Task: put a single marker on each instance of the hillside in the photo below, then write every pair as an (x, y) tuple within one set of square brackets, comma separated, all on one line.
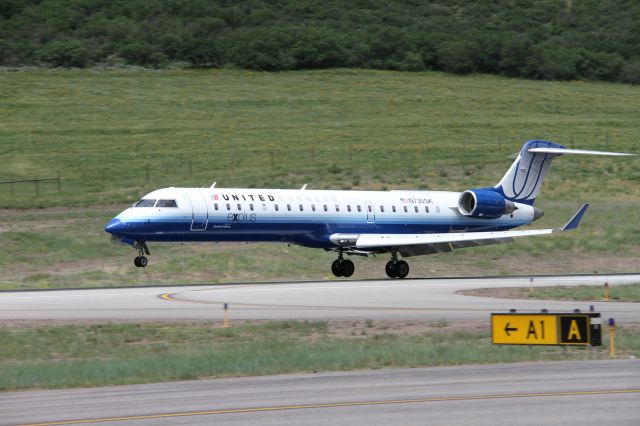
[(539, 39)]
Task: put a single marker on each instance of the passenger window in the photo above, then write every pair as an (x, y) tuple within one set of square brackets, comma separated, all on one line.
[(381, 209), (337, 208), (426, 209), (145, 203), (348, 208), (264, 207), (393, 209), (228, 206), (239, 206), (359, 209), (277, 208), (288, 207), (215, 206), (405, 209), (251, 206), (325, 207), (166, 203), (313, 207), (301, 208), (370, 208), (416, 208)]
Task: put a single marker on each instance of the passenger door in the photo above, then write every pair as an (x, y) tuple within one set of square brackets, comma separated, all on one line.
[(200, 212)]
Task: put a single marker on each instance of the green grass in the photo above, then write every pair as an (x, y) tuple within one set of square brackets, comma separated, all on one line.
[(617, 293), (102, 131), (101, 354), (114, 135)]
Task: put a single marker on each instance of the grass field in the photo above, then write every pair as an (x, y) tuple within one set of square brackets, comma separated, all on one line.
[(617, 293), (100, 354), (114, 135)]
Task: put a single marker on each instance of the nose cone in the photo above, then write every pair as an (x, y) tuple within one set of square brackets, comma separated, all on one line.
[(114, 226)]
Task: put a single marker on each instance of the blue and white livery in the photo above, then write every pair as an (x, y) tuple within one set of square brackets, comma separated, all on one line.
[(403, 222)]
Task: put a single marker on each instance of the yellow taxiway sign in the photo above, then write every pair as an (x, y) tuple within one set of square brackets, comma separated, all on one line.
[(521, 329), (544, 329)]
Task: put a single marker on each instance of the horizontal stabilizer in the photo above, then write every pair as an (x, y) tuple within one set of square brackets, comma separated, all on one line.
[(561, 151)]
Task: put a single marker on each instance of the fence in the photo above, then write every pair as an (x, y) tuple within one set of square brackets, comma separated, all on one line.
[(36, 183)]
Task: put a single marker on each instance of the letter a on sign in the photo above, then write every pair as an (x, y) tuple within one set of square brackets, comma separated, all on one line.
[(574, 331)]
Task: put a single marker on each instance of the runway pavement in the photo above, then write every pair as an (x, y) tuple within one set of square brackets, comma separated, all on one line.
[(428, 299), (555, 393)]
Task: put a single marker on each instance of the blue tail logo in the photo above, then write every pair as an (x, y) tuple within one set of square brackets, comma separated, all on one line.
[(523, 180)]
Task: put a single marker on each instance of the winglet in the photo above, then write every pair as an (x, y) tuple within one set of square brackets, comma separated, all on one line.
[(575, 220)]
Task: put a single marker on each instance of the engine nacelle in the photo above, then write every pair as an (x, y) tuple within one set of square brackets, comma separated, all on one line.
[(484, 203)]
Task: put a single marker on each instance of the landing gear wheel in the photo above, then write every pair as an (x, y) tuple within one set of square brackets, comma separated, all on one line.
[(347, 268), (140, 261), (336, 268), (402, 269), (391, 268)]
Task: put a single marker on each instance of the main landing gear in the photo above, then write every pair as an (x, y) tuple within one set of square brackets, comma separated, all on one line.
[(342, 267), (396, 268), (141, 261)]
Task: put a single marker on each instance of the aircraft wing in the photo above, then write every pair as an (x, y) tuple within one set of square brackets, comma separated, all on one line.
[(419, 244)]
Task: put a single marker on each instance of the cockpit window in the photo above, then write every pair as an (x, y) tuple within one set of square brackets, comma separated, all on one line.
[(145, 203), (166, 203)]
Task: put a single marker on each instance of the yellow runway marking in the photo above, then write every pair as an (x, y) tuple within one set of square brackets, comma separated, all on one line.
[(336, 405), (172, 298)]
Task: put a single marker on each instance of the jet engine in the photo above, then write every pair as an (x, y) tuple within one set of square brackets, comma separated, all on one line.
[(484, 203)]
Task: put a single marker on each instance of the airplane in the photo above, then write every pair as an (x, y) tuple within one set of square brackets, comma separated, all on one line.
[(398, 222)]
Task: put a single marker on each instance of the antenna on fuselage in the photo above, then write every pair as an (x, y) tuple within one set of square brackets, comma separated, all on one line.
[(303, 187), (213, 185)]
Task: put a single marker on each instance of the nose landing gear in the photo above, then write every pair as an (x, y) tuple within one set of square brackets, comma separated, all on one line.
[(341, 267), (141, 261)]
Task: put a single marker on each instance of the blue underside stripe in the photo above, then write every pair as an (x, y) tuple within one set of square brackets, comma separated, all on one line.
[(303, 232)]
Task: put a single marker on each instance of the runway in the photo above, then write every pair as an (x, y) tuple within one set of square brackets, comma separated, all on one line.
[(585, 393), (424, 299)]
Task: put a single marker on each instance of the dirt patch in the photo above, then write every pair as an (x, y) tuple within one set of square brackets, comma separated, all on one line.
[(500, 293)]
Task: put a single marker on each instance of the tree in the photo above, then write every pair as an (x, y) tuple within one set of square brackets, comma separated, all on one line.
[(64, 52), (458, 57)]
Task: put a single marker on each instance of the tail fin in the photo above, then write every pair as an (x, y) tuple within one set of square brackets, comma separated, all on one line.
[(523, 180)]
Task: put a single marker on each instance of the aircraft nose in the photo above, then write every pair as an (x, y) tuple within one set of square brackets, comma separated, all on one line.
[(114, 226)]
